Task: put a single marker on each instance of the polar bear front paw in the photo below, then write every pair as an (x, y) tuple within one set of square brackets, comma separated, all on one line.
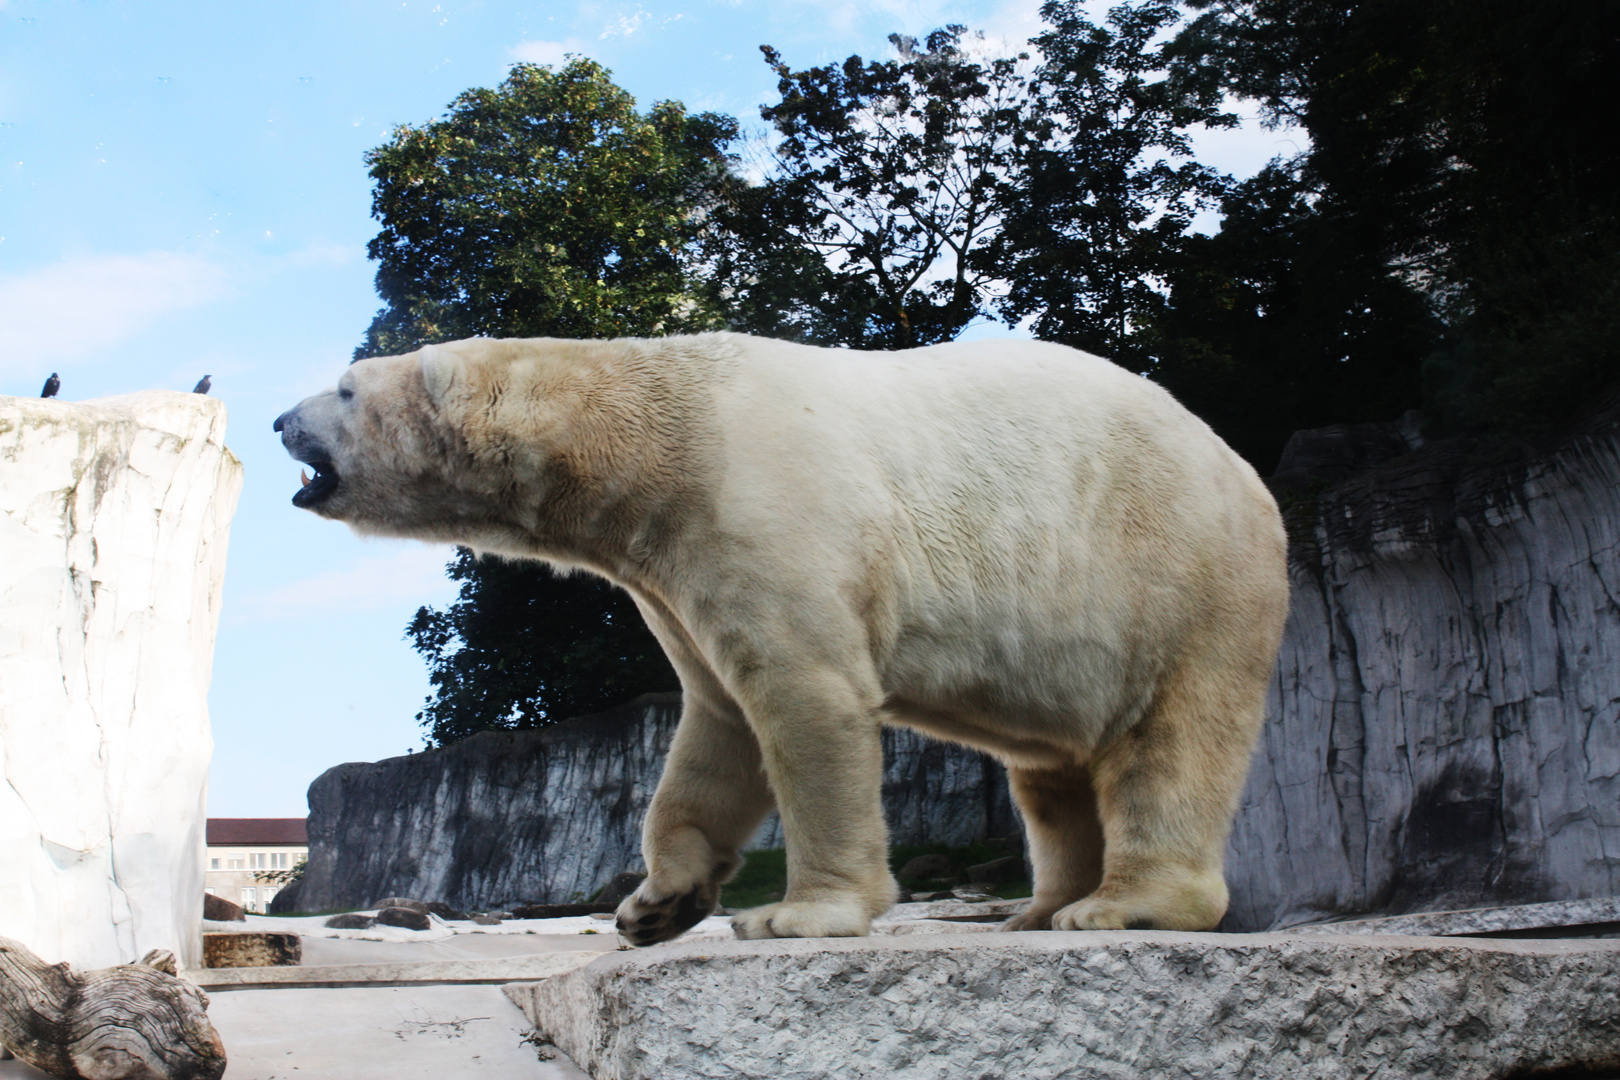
[(651, 914), (802, 919), (1029, 920)]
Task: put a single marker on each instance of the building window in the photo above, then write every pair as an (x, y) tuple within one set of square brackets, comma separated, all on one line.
[(250, 899), (278, 861), (213, 864), (210, 892), (234, 864)]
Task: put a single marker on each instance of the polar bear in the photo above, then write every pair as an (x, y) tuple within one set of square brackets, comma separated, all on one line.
[(1006, 544)]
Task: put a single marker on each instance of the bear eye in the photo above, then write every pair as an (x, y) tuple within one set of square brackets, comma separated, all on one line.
[(345, 394)]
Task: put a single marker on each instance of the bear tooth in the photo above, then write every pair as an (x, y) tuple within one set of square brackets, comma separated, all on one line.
[(304, 476)]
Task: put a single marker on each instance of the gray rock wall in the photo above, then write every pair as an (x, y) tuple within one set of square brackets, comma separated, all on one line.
[(553, 814), (1443, 722), (1442, 730)]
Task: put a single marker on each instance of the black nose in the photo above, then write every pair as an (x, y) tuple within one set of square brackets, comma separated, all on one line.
[(281, 421)]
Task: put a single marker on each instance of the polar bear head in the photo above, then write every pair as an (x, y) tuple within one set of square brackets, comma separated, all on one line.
[(496, 444)]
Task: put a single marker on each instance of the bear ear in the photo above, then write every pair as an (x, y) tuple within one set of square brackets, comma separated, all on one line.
[(438, 373)]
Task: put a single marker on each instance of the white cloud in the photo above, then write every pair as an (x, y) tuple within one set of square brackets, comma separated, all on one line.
[(552, 53), (85, 305), (411, 575), (625, 23)]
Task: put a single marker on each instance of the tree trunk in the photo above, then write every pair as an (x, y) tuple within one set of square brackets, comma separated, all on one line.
[(132, 1021)]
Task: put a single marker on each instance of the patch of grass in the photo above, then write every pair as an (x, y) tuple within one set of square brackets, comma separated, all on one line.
[(763, 878)]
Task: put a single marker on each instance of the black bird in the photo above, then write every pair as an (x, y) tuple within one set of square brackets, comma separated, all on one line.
[(52, 385), (202, 385)]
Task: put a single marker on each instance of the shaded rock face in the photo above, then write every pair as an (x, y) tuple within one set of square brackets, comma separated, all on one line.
[(1442, 730), (551, 815)]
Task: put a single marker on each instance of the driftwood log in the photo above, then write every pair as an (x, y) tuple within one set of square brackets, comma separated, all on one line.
[(132, 1022)]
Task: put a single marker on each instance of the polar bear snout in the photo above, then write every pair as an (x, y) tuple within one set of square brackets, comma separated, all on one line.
[(307, 447)]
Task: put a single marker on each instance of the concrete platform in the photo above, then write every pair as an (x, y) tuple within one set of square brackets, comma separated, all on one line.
[(1123, 1006), (415, 1033)]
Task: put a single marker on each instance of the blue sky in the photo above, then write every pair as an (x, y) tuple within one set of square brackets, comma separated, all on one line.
[(182, 192)]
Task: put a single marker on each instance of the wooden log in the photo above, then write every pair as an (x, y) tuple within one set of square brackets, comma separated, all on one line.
[(120, 1023)]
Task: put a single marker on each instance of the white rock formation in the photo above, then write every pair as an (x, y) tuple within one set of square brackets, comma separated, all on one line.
[(114, 516)]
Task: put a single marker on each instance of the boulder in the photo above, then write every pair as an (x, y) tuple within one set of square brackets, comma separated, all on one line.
[(486, 920), (928, 868), (997, 871), (401, 902), (404, 917), (351, 920), (114, 517), (251, 949), (445, 911), (219, 909), (285, 902), (620, 887)]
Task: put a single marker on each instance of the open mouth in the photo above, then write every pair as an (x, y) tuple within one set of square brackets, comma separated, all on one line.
[(316, 490)]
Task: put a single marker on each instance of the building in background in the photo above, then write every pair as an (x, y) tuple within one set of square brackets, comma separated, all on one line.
[(248, 857)]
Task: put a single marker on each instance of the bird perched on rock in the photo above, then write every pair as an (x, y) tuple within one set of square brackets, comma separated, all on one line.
[(202, 385), (52, 385)]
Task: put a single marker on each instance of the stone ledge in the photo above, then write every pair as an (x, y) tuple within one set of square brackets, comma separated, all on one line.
[(416, 973), (1117, 1005), (1558, 918)]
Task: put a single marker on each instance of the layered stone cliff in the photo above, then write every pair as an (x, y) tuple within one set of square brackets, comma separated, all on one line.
[(1444, 724), (114, 516), (553, 814), (1442, 729)]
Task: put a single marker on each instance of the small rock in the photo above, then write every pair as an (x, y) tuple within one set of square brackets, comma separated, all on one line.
[(996, 871), (620, 887), (930, 897), (405, 917), (602, 915), (926, 867), (402, 902), (234, 950), (445, 911), (902, 896), (351, 920), (222, 910), (974, 894), (486, 920)]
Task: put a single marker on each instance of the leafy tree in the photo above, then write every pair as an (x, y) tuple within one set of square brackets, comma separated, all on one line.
[(870, 227), (525, 645), (1450, 158), (548, 206), (1108, 187)]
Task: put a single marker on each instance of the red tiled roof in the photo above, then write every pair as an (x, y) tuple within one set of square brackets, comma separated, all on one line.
[(257, 830)]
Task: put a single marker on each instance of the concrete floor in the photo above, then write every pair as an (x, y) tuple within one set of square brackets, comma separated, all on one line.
[(383, 1033)]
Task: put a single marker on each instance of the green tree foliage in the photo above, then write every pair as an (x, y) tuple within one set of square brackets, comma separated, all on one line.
[(869, 228), (1457, 181), (548, 206), (524, 645), (1104, 194)]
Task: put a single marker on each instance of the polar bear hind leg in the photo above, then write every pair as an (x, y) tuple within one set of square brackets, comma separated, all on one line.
[(1064, 836), (1165, 792)]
